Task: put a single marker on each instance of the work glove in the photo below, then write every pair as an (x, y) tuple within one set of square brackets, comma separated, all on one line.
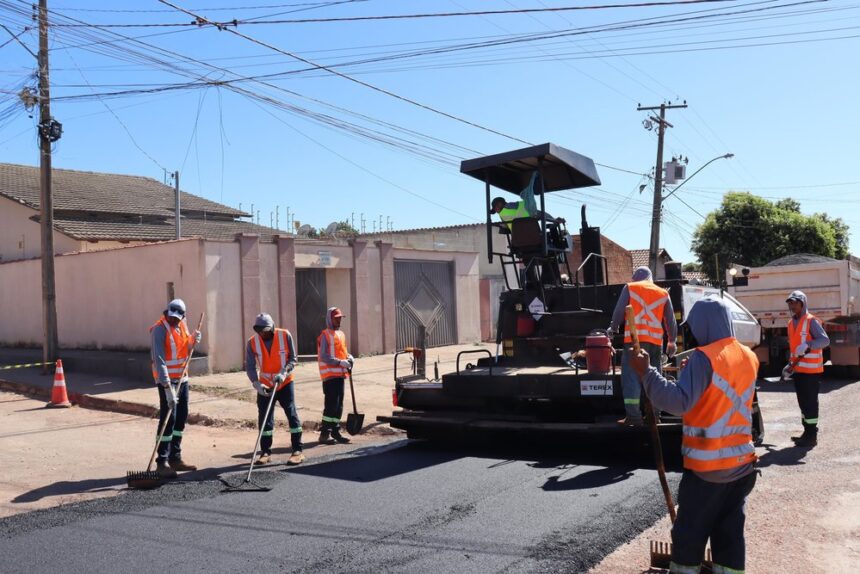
[(671, 347), (787, 371), (351, 360), (279, 378), (198, 336), (610, 332), (801, 349), (262, 390), (170, 395), (344, 363)]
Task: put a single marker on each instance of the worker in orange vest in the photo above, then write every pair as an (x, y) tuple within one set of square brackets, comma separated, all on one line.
[(335, 364), (807, 341), (170, 343), (270, 357), (714, 395), (654, 316)]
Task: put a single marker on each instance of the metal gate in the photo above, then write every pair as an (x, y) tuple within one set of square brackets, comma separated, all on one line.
[(424, 293), (310, 309)]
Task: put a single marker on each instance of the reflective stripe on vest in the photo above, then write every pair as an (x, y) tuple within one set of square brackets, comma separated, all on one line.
[(717, 431), (337, 344), (175, 348), (508, 214), (648, 301), (813, 360), (274, 361)]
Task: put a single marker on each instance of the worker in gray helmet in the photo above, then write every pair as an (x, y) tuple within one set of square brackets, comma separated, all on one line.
[(171, 343), (270, 358), (654, 316)]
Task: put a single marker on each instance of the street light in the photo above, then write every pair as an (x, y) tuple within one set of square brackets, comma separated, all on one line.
[(726, 156)]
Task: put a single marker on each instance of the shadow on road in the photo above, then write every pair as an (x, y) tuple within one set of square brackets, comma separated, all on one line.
[(588, 480), (790, 456)]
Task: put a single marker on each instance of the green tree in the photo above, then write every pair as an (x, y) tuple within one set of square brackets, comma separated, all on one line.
[(344, 229), (691, 266), (842, 232), (753, 231)]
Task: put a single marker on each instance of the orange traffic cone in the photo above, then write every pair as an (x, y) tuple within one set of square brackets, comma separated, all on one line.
[(59, 397)]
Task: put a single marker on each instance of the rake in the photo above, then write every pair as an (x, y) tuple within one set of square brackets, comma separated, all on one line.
[(146, 479), (248, 485)]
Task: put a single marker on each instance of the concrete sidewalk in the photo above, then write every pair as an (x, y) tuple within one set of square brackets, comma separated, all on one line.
[(228, 399)]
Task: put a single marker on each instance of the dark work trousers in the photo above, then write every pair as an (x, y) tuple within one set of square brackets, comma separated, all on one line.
[(710, 510), (286, 398), (170, 443), (333, 408), (806, 385)]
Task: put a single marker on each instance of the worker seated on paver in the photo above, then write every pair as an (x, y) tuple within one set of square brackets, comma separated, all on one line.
[(272, 352)]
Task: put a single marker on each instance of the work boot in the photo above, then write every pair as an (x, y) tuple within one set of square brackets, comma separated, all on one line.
[(264, 458), (164, 470), (180, 465), (335, 434), (808, 439), (298, 457), (325, 437)]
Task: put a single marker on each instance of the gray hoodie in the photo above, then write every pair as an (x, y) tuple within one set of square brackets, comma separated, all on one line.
[(817, 338), (710, 320)]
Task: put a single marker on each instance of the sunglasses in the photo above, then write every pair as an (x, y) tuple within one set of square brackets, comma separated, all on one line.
[(176, 310)]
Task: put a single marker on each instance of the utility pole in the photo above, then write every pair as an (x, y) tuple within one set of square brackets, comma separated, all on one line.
[(49, 132), (277, 217), (178, 206), (657, 209)]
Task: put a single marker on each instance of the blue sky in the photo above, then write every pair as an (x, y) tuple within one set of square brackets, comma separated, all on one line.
[(773, 82)]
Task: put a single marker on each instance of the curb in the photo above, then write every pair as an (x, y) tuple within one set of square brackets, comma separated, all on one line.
[(147, 411)]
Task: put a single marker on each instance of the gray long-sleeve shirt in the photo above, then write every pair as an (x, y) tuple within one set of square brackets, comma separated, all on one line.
[(669, 323), (251, 357)]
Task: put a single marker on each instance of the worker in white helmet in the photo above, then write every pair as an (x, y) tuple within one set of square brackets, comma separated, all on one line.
[(171, 343)]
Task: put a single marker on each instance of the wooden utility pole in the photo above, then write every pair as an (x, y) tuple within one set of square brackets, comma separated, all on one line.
[(657, 208), (49, 132), (178, 206)]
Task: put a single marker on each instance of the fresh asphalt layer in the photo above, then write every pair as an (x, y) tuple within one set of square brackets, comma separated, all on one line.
[(403, 506)]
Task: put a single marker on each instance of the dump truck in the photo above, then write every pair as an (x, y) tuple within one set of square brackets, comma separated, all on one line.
[(541, 378), (832, 287)]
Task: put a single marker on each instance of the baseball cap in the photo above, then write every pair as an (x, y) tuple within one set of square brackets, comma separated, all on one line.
[(336, 312), (264, 322), (176, 308), (796, 296)]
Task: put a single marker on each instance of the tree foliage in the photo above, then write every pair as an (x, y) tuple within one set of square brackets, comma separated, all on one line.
[(750, 230)]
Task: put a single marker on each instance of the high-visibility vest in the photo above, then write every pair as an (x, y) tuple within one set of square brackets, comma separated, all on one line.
[(337, 341), (273, 361), (508, 214), (717, 431), (176, 344), (813, 360), (648, 301)]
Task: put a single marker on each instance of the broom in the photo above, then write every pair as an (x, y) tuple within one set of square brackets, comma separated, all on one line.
[(661, 552), (150, 478)]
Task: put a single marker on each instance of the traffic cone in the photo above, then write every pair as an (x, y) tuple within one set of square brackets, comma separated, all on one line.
[(59, 396)]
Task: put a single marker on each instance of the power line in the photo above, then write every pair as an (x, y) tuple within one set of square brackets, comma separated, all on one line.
[(347, 77)]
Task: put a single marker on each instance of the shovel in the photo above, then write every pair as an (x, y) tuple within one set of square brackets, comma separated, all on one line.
[(354, 420)]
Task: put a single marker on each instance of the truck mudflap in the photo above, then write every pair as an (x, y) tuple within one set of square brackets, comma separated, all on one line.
[(423, 424)]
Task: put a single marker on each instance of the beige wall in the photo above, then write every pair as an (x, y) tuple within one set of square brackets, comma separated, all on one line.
[(105, 299), (20, 237), (224, 333), (109, 299)]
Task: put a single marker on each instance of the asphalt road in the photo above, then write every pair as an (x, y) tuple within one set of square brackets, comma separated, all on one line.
[(400, 507)]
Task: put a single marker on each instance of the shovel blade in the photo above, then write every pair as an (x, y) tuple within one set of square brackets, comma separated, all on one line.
[(354, 423)]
